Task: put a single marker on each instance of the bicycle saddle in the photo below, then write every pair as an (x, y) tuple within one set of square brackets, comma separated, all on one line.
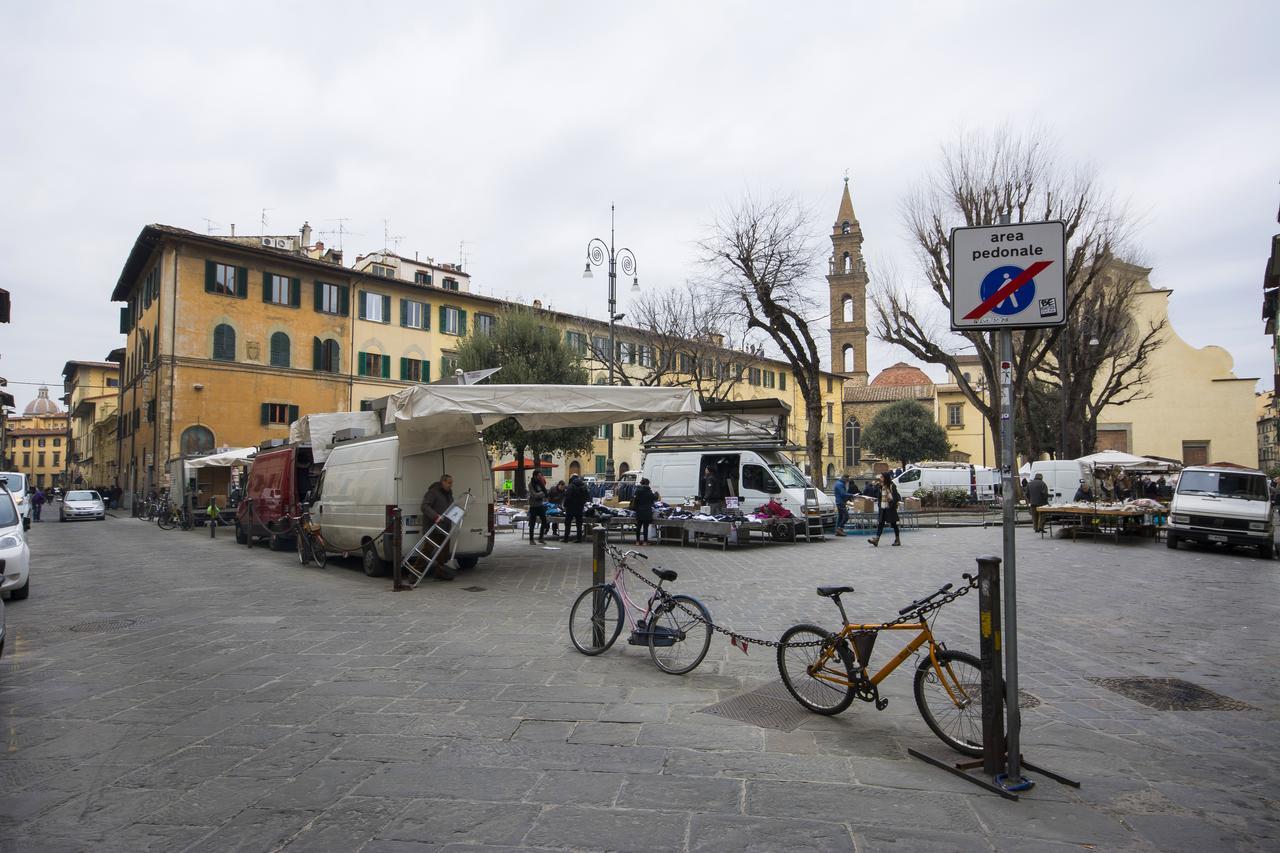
[(665, 574), (829, 591)]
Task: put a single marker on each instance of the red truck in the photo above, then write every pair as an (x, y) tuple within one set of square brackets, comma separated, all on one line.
[(279, 480)]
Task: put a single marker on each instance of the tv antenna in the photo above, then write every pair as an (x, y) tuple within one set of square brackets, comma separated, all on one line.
[(462, 253), (341, 230), (209, 224), (264, 220), (388, 239)]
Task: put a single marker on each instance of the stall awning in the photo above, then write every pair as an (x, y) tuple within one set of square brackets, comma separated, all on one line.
[(431, 417), (225, 459), (529, 465), (1120, 459)]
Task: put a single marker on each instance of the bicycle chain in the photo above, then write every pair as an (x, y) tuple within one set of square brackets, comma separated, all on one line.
[(916, 614)]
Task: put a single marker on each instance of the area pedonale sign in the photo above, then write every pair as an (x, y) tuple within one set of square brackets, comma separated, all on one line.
[(1008, 276)]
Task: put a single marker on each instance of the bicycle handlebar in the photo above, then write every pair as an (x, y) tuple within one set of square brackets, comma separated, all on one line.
[(913, 605)]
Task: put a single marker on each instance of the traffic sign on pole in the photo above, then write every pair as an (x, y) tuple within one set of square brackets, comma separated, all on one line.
[(1008, 276)]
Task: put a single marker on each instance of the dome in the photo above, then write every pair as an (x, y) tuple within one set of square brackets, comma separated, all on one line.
[(42, 405), (901, 374)]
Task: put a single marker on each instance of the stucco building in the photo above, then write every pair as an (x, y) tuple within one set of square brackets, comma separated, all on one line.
[(37, 442), (92, 391)]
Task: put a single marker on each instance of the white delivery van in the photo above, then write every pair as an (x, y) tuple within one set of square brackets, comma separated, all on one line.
[(755, 477), (1222, 506), (1062, 476), (935, 476), (363, 476)]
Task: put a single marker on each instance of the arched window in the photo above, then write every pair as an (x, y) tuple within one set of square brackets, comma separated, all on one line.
[(831, 473), (279, 350), (847, 352), (844, 227), (623, 468), (224, 342), (852, 443), (196, 440), (325, 355), (847, 264), (575, 467), (846, 309)]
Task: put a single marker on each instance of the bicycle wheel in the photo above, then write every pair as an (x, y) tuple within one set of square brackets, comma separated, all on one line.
[(166, 521), (596, 619), (678, 640), (317, 550), (304, 547), (805, 670), (957, 721)]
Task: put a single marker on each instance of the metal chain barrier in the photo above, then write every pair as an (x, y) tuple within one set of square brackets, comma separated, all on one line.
[(917, 613)]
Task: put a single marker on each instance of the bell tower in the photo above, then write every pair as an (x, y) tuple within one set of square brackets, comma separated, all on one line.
[(847, 279)]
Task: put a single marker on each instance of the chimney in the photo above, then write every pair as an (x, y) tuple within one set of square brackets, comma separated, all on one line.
[(306, 235), (537, 305), (233, 229)]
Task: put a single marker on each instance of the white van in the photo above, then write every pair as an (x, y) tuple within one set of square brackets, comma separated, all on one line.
[(935, 476), (755, 477), (362, 477), (1222, 506), (1062, 476)]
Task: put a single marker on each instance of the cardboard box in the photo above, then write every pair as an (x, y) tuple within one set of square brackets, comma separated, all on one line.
[(862, 503), (910, 504)]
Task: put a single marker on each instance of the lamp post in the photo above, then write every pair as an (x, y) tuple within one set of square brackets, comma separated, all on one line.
[(598, 251)]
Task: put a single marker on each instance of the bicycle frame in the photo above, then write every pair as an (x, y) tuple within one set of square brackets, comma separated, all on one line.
[(618, 582), (821, 671)]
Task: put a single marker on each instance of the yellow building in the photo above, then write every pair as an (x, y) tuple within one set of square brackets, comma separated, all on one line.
[(38, 442), (93, 395), (967, 429)]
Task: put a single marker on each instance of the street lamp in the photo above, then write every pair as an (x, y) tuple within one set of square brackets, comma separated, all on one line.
[(597, 252)]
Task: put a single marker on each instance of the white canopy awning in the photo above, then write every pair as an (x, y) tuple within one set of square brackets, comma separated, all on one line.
[(430, 417), (1120, 459), (225, 459), (317, 430)]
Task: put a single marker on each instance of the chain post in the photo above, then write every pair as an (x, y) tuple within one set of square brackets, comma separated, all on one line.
[(395, 548), (993, 747), (600, 602)]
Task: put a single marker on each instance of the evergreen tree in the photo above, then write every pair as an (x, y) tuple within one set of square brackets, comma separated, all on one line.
[(906, 431)]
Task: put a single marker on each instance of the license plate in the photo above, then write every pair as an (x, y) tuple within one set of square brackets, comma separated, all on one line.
[(1214, 537)]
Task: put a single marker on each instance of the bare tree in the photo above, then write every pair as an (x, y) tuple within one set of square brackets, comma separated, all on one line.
[(980, 178), (760, 257)]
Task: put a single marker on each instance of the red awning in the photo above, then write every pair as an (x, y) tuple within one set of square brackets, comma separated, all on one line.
[(528, 465)]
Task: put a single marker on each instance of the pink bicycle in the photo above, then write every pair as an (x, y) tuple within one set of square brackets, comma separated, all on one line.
[(676, 628)]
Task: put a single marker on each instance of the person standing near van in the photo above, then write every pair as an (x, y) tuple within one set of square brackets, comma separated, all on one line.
[(538, 506), (1037, 496), (642, 504), (713, 490), (842, 498), (435, 503), (575, 503), (887, 501)]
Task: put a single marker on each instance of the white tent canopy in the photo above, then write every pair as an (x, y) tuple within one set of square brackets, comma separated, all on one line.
[(1120, 459), (431, 417), (317, 429), (224, 459)]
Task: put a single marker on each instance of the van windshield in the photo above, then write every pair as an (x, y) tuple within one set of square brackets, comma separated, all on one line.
[(16, 483), (788, 476), (1250, 487)]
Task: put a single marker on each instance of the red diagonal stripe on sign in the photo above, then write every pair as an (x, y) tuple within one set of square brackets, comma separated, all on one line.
[(1000, 295)]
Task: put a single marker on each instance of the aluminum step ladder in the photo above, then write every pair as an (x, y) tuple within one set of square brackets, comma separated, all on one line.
[(429, 550)]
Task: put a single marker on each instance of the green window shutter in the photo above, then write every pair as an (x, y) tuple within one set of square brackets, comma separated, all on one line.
[(295, 293), (344, 300), (210, 276), (266, 413), (386, 309), (426, 316), (462, 323), (293, 414), (442, 318), (360, 364), (317, 354), (266, 287), (318, 291), (242, 282), (426, 372), (386, 365), (124, 319), (404, 367), (782, 380), (360, 304), (404, 315)]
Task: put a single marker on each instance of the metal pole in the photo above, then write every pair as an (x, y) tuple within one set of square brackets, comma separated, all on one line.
[(397, 543), (993, 757), (1009, 463), (598, 534), (613, 309)]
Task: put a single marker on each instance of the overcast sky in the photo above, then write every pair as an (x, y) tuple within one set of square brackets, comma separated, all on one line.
[(509, 128)]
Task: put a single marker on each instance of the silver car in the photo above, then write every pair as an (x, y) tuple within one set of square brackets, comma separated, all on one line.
[(82, 504)]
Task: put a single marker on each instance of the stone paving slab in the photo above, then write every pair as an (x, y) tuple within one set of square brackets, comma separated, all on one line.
[(229, 699)]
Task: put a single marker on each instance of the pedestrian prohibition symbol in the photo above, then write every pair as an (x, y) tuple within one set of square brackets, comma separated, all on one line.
[(992, 286)]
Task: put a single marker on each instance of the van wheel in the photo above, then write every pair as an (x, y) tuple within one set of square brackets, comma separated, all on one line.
[(1171, 542), (241, 537), (1268, 551), (276, 543), (467, 562), (374, 566)]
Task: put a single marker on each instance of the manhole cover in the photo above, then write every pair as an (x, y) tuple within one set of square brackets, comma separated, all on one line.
[(1171, 694), (473, 589), (103, 627), (770, 707)]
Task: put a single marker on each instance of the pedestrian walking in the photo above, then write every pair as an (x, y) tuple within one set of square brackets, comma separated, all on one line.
[(887, 501), (575, 503), (1037, 496), (538, 506), (37, 503), (642, 504), (435, 503), (842, 499)]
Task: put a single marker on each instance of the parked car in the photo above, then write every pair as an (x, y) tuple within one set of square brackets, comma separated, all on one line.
[(16, 483), (82, 504), (15, 556), (1222, 506)]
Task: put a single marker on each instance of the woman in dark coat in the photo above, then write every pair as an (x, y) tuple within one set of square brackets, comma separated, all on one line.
[(642, 504), (887, 501)]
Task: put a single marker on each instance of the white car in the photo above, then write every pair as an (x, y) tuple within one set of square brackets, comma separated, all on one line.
[(82, 504), (16, 483), (15, 556)]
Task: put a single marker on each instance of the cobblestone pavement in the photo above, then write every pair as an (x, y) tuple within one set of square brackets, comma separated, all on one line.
[(162, 691)]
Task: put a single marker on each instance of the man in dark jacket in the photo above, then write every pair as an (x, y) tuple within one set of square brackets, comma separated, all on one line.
[(538, 507), (435, 503), (713, 490), (1037, 496), (642, 504), (575, 502)]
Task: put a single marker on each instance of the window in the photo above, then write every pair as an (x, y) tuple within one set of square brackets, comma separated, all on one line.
[(113, 383), (628, 430), (831, 444), (224, 342), (757, 479), (600, 347), (644, 355), (39, 442), (753, 376), (331, 298), (844, 227), (375, 307), (40, 458), (955, 414), (373, 364), (415, 315), (847, 355), (685, 362), (57, 442), (279, 350), (846, 309), (846, 265), (449, 284), (604, 430), (415, 370), (278, 414), (627, 352), (453, 321), (325, 355), (26, 460), (448, 364), (485, 324), (57, 460), (280, 289), (151, 411), (852, 443), (782, 380), (383, 271), (600, 464), (422, 277), (26, 442), (829, 386), (226, 279), (770, 379), (576, 341), (831, 414)]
